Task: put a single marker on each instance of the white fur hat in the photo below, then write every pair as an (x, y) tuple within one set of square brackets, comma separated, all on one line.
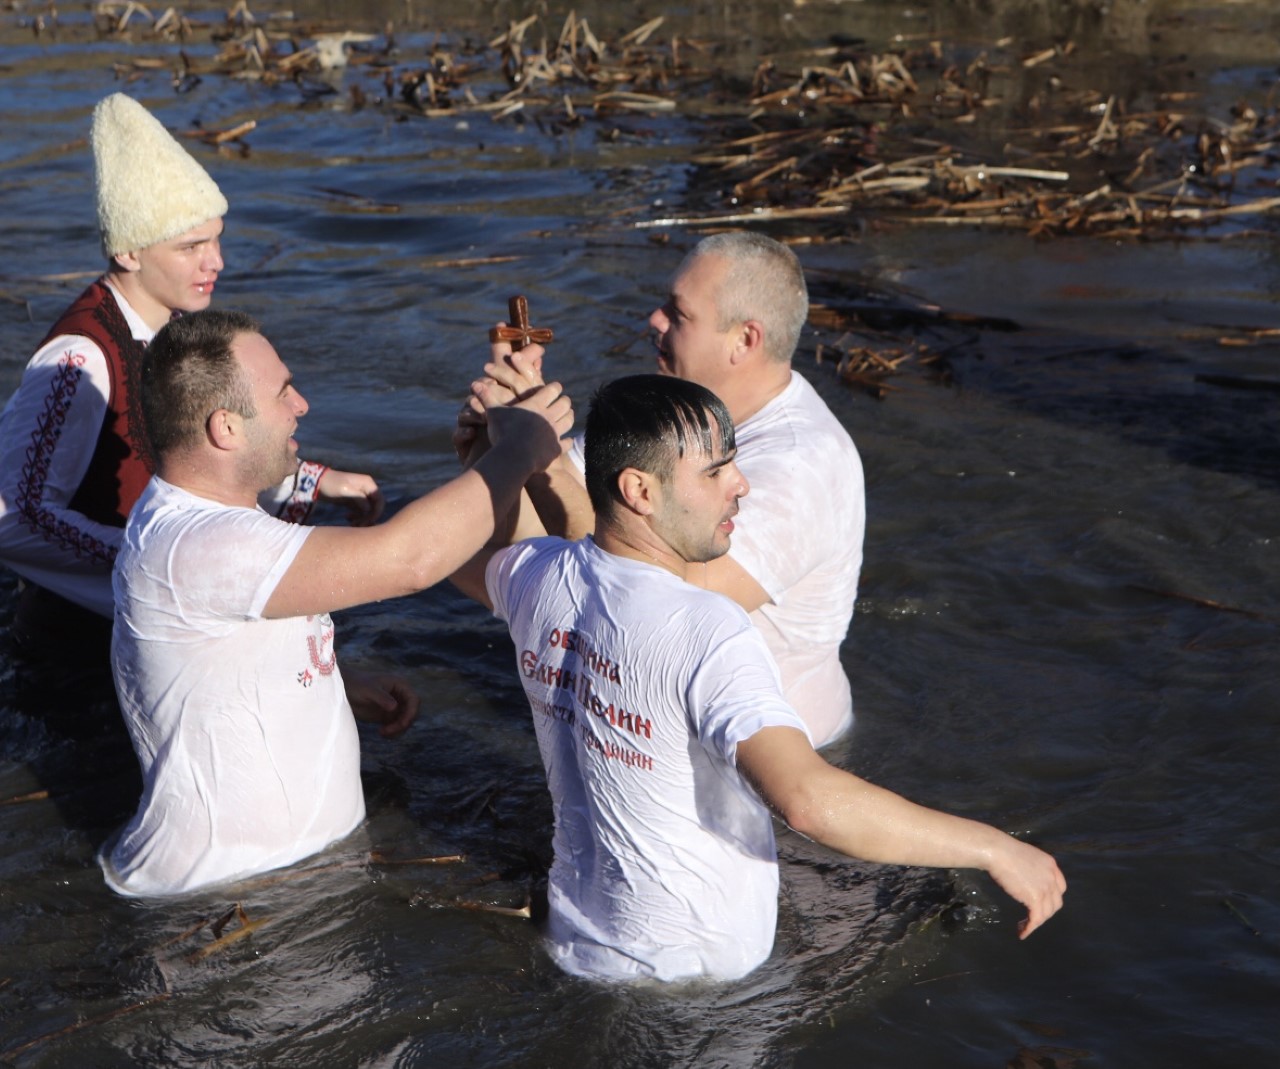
[(150, 189)]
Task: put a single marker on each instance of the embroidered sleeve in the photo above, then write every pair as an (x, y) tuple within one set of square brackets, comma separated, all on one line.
[(50, 431), (296, 498)]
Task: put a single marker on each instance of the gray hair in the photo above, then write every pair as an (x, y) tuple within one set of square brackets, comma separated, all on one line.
[(765, 282)]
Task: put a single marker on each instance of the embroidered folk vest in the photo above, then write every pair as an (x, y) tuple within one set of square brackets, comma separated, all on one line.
[(122, 463)]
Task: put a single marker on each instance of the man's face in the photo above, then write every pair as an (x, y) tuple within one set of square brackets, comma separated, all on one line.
[(698, 503), (272, 455), (180, 274), (690, 344)]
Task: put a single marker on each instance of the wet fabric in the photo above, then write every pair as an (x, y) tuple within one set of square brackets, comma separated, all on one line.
[(641, 688), (248, 747), (799, 534)]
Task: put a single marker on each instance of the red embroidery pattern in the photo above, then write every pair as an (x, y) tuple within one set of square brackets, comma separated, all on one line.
[(306, 489), (35, 472), (323, 665)]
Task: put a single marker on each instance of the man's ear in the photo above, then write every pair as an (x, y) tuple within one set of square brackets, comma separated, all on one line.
[(637, 490), (127, 261), (225, 429), (750, 342)]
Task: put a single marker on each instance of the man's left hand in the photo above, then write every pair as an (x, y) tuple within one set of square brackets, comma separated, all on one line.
[(356, 493)]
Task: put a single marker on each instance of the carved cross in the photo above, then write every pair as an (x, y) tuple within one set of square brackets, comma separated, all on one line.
[(518, 332)]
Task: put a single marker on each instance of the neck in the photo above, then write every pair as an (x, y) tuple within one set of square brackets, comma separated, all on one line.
[(637, 542), (189, 474), (153, 312), (760, 387)]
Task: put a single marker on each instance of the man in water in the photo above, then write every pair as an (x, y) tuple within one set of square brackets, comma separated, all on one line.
[(223, 647), (731, 323), (73, 456), (662, 723)]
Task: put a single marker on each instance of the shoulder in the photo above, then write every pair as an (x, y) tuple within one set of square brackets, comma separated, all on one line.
[(525, 561), (64, 351), (795, 441)]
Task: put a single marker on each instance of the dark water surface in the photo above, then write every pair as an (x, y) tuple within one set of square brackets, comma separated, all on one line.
[(1046, 636)]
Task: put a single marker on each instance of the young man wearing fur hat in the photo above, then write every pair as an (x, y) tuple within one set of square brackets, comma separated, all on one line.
[(73, 454)]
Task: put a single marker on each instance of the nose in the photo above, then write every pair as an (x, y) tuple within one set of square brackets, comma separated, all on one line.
[(300, 405), (658, 321), (741, 488), (213, 256)]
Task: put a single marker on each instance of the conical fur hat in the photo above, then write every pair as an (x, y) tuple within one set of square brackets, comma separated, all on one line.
[(150, 189)]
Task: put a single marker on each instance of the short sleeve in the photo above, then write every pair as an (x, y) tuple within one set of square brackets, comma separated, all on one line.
[(502, 577), (736, 692), (229, 562)]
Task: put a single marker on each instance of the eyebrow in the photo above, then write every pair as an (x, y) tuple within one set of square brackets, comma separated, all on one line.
[(715, 465)]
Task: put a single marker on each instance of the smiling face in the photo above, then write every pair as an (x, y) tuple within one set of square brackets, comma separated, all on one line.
[(691, 344), (698, 502), (178, 275), (272, 454)]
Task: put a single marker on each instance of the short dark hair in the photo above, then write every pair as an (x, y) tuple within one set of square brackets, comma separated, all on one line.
[(189, 372), (647, 422)]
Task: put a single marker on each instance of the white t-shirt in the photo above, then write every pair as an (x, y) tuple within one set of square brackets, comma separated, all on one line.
[(249, 751), (641, 688), (799, 534)]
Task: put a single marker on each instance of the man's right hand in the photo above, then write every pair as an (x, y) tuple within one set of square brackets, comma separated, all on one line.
[(510, 376), (1030, 876), (533, 425)]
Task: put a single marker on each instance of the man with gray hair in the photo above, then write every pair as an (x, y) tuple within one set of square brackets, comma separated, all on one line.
[(731, 323)]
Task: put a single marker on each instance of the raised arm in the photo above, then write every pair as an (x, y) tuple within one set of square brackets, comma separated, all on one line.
[(432, 537), (862, 820)]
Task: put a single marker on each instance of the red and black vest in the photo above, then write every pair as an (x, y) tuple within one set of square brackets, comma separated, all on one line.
[(122, 463)]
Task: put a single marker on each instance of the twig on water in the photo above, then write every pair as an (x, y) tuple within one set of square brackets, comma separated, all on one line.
[(79, 1026)]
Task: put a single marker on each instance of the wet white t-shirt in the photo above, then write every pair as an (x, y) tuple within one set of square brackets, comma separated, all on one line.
[(641, 687), (799, 534), (249, 751)]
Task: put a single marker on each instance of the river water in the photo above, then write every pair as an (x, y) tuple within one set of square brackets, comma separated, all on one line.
[(1067, 624)]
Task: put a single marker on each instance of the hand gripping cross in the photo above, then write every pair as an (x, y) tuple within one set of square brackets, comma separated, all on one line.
[(518, 332)]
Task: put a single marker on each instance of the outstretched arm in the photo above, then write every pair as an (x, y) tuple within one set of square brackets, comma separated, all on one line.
[(433, 536), (862, 820)]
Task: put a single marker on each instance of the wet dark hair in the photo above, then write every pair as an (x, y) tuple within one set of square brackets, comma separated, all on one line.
[(648, 422), (189, 372)]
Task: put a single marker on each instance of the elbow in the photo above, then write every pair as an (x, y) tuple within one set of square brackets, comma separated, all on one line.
[(804, 812), (422, 573)]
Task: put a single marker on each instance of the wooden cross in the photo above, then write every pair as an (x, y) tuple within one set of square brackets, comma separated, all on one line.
[(518, 332)]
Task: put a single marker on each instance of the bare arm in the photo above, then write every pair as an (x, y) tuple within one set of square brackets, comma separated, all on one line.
[(557, 494), (726, 576), (862, 820), (435, 535)]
